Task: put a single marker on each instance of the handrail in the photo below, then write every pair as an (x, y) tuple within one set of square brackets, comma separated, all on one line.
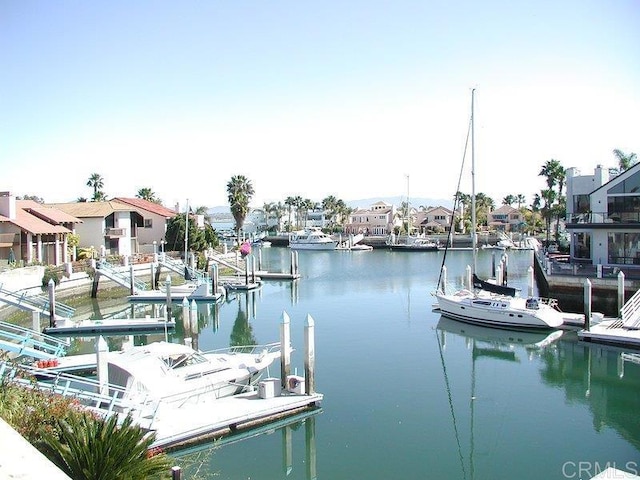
[(34, 302), (123, 278)]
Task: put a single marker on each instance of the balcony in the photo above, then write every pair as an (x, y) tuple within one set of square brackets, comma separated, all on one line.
[(115, 232), (604, 220)]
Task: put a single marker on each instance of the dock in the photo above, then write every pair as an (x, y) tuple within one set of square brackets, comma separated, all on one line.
[(125, 326)]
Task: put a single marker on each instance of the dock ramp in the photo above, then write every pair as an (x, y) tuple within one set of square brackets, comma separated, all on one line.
[(21, 341), (630, 312), (34, 303)]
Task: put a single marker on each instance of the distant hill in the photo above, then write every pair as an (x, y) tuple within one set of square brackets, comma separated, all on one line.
[(224, 210)]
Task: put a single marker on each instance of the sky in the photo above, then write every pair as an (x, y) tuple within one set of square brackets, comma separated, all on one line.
[(355, 99)]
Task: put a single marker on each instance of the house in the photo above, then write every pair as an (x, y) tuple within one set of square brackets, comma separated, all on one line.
[(603, 216), (31, 232), (378, 219), (434, 220), (122, 226), (505, 218)]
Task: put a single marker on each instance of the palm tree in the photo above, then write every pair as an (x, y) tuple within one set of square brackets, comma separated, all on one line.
[(625, 161), (88, 447), (520, 199), (148, 195), (509, 200), (97, 183), (290, 203), (239, 193)]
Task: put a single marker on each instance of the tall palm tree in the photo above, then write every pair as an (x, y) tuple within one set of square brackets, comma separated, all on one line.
[(625, 161), (97, 183), (290, 203), (520, 199), (239, 193)]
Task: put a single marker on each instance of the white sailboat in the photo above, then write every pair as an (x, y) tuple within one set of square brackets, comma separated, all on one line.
[(492, 304)]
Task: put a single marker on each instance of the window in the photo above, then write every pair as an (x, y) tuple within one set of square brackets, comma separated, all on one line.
[(624, 248), (582, 245), (148, 223), (581, 204)]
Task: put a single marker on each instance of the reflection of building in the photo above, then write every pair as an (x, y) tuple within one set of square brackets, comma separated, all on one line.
[(603, 216), (593, 375)]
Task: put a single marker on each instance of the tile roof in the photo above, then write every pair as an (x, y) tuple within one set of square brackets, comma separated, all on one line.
[(46, 212), (33, 224), (148, 206), (92, 209)]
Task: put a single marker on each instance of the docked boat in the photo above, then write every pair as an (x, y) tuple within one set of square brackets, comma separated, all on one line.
[(176, 372), (414, 244), (490, 303), (312, 239)]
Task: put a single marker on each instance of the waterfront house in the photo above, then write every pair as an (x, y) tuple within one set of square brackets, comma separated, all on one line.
[(603, 216), (433, 220), (122, 226), (505, 219), (378, 219), (34, 233)]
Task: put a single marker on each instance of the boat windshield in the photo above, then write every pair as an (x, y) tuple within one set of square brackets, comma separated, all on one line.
[(178, 360)]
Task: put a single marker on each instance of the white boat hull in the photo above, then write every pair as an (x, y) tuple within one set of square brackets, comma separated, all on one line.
[(314, 246), (499, 311)]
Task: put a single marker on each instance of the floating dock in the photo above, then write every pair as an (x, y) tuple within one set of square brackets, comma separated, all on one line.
[(126, 326)]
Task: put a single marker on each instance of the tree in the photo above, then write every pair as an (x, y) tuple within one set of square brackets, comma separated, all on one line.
[(88, 448), (625, 161), (509, 200), (97, 183), (148, 195), (239, 193)]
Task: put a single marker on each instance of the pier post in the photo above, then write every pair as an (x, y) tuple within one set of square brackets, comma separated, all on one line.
[(153, 275), (260, 259), (505, 268), (246, 271), (493, 264), (292, 269), (102, 350), (310, 356), (531, 280), (35, 321), (168, 287), (253, 269), (214, 279), (443, 285), (587, 304), (185, 313), (132, 288), (52, 302), (285, 352), (176, 473), (499, 275), (193, 316), (468, 277), (620, 292)]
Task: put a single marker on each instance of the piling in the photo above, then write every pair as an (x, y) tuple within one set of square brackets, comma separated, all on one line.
[(185, 313), (310, 443), (310, 356), (168, 286), (469, 277), (102, 350), (620, 292), (52, 303), (35, 321), (193, 316), (587, 304), (285, 352), (531, 281), (505, 268), (153, 274), (132, 288), (214, 279)]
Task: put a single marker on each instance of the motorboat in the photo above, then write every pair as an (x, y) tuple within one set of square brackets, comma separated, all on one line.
[(312, 239), (418, 244), (174, 372)]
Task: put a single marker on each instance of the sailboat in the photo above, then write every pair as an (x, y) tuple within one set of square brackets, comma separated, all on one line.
[(491, 304), (411, 242)]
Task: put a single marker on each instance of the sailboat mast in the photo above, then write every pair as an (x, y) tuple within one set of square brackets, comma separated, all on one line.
[(408, 210), (186, 235), (474, 239)]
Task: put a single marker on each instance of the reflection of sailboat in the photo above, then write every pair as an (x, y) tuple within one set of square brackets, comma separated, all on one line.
[(490, 303), (483, 342), (531, 340)]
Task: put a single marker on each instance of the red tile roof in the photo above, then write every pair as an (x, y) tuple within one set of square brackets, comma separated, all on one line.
[(148, 206)]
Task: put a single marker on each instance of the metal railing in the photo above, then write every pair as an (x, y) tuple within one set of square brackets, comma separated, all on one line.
[(119, 276), (24, 341), (603, 217), (34, 303)]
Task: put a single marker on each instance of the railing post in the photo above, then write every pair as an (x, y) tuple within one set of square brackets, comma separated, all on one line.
[(285, 354)]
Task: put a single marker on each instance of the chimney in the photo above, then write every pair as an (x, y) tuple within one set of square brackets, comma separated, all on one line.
[(8, 205)]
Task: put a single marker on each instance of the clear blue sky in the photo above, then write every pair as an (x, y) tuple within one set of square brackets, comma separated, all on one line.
[(311, 98)]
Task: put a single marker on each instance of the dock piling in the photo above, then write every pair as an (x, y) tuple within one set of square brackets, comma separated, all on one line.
[(52, 303), (587, 304), (620, 292), (310, 356), (285, 351), (168, 286), (531, 280)]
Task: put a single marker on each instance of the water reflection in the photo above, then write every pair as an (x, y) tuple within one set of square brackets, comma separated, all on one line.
[(200, 462)]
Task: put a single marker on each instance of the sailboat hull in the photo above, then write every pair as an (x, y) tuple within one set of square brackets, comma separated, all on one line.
[(500, 311)]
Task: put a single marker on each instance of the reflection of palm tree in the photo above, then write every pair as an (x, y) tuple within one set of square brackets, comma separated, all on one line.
[(242, 332)]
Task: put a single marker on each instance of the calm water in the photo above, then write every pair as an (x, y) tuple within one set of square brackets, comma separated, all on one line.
[(410, 395)]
